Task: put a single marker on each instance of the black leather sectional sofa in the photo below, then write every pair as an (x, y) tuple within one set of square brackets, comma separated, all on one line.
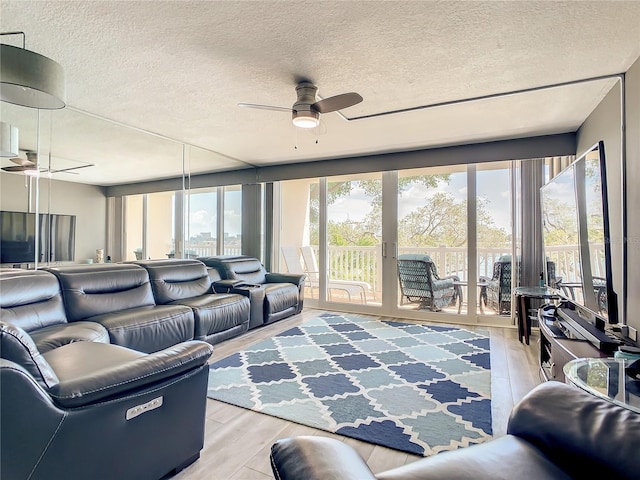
[(103, 368)]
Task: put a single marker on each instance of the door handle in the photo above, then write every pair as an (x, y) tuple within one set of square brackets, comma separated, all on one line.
[(395, 250), (384, 249)]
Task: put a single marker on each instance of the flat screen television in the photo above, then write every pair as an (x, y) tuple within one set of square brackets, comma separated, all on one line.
[(576, 233), (56, 238)]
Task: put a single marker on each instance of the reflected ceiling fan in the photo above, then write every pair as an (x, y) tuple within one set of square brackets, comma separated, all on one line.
[(29, 165), (306, 111)]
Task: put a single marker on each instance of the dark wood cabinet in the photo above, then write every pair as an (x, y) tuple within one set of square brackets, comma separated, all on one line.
[(556, 349)]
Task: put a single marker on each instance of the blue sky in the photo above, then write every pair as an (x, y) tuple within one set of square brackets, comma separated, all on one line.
[(202, 216)]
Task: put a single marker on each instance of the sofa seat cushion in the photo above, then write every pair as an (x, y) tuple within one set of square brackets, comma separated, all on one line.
[(214, 313), (56, 336), (280, 297), (148, 329)]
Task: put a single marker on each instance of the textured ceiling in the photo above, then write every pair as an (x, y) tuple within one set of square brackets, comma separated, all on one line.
[(178, 69)]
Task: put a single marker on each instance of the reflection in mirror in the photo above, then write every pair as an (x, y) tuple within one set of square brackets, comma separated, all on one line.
[(71, 146), (576, 233), (589, 173), (89, 149), (82, 148), (560, 231)]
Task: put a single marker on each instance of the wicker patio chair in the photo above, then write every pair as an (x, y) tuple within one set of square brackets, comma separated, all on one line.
[(420, 283), (499, 286)]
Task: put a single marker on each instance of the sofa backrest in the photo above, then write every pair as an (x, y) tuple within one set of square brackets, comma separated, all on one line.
[(177, 279), (248, 269), (214, 274), (578, 431), (30, 299), (17, 346), (90, 290)]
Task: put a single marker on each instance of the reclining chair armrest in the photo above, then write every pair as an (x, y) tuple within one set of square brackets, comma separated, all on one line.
[(225, 286), (129, 375), (317, 458), (296, 279)]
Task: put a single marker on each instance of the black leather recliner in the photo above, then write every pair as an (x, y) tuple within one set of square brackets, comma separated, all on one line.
[(278, 295), (90, 410), (557, 432)]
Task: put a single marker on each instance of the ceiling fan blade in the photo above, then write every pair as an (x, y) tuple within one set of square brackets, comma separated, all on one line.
[(23, 162), (68, 170), (337, 102), (264, 107), (18, 168)]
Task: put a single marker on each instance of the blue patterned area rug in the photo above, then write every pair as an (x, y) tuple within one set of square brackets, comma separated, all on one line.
[(418, 388)]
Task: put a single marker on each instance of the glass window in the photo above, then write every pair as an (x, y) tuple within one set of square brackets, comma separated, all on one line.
[(160, 223), (494, 237), (354, 229), (134, 223), (299, 227), (202, 222), (432, 221), (232, 241)]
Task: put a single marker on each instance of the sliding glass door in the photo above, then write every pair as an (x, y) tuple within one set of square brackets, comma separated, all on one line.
[(352, 259), (419, 243), (433, 258)]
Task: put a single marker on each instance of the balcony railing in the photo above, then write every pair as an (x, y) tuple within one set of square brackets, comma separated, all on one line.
[(364, 263)]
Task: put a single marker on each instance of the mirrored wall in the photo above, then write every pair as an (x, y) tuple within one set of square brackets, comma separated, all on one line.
[(66, 160)]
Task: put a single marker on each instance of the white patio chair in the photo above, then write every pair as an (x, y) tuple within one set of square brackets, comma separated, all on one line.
[(350, 287)]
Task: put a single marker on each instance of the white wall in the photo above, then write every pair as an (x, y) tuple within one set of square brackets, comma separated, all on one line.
[(88, 203)]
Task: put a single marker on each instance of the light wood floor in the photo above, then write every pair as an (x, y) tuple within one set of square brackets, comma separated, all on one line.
[(237, 441)]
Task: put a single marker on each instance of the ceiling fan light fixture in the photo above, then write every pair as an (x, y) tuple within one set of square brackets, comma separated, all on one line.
[(8, 140), (30, 79), (306, 119)]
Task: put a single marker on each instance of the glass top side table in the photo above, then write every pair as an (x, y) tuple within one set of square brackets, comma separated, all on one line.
[(605, 378), (523, 296)]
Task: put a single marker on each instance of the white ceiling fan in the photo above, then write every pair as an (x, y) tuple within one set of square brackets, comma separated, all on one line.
[(29, 166), (306, 111)]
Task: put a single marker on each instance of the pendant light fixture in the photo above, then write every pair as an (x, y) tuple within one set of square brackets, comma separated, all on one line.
[(30, 79)]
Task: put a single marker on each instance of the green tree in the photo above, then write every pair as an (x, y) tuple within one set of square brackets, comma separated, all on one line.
[(560, 223), (443, 221)]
